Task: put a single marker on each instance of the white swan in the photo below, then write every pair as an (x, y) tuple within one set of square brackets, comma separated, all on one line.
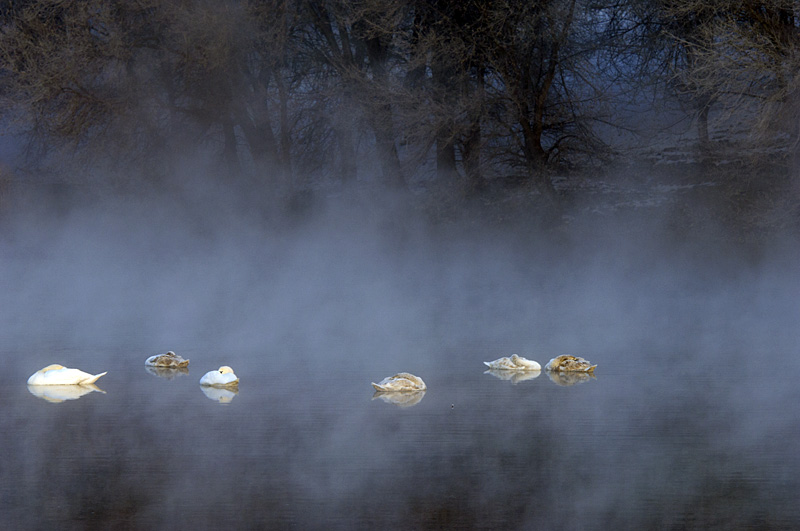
[(567, 363), (400, 382), (60, 375), (222, 377), (514, 363), (170, 360)]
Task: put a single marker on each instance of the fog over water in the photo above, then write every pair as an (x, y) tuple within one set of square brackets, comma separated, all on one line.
[(690, 422)]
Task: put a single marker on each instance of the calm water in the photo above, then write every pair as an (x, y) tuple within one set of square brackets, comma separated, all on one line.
[(691, 421), (308, 448)]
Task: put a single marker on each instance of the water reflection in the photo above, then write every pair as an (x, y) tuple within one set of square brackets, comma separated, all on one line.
[(153, 456), (513, 376), (219, 394), (166, 373), (400, 399), (60, 393), (570, 378)]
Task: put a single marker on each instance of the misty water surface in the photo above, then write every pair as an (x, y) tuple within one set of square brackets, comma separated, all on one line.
[(690, 422)]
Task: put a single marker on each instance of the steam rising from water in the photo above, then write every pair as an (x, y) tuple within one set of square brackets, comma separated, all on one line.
[(173, 277), (307, 310)]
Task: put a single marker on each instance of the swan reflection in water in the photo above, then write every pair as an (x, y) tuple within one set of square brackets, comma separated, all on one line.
[(399, 398), (570, 378), (513, 376), (166, 373), (60, 393), (223, 395)]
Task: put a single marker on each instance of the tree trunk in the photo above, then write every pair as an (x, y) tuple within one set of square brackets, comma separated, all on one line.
[(382, 121), (285, 156), (471, 151), (702, 130), (387, 150), (348, 170), (230, 155), (445, 155), (443, 76)]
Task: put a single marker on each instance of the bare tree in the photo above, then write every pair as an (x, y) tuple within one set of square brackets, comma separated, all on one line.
[(744, 56), (353, 41), (149, 77), (543, 87), (67, 65), (285, 89), (447, 71)]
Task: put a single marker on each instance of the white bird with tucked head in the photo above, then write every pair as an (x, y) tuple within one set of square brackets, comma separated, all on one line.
[(222, 377), (514, 363), (170, 360), (60, 375), (400, 382), (567, 363)]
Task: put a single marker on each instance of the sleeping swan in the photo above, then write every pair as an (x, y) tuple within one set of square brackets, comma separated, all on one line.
[(400, 382), (170, 360), (60, 375), (567, 363), (514, 363), (222, 377)]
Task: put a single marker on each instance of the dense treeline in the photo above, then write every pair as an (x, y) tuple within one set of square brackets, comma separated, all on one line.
[(465, 90)]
